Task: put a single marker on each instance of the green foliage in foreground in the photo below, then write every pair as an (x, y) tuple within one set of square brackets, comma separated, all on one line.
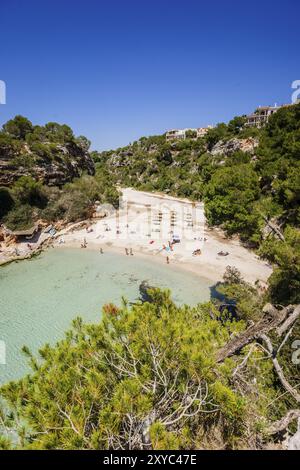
[(145, 377)]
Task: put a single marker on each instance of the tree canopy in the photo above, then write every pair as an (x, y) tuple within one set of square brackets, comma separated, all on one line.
[(145, 377)]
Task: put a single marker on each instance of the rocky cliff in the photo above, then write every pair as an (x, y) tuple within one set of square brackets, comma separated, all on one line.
[(50, 153), (233, 145), (70, 162)]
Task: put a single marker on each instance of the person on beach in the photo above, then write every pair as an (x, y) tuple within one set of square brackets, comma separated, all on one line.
[(84, 244), (126, 251), (131, 252), (101, 251), (168, 260)]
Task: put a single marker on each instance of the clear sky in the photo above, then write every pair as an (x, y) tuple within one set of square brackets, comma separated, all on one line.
[(116, 70)]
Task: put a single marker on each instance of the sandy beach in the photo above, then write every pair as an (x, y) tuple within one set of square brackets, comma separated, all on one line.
[(145, 225), (147, 222)]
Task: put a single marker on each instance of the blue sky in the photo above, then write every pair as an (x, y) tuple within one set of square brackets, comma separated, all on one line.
[(118, 70)]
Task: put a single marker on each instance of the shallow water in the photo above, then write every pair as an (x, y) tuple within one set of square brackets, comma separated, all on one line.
[(40, 297)]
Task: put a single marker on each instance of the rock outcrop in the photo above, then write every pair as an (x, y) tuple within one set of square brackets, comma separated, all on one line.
[(233, 145), (65, 163)]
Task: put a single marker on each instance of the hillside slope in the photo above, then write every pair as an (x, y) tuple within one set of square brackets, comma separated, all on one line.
[(47, 173), (248, 178), (242, 174)]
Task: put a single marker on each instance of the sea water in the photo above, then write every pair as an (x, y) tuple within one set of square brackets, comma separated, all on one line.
[(40, 297)]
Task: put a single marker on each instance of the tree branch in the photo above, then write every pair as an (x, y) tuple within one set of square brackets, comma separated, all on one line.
[(284, 422), (279, 370), (289, 321), (271, 319)]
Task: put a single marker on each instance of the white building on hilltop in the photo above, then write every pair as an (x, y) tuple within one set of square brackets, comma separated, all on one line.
[(193, 133), (262, 114), (175, 134)]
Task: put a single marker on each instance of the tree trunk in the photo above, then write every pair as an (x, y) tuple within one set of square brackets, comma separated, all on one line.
[(271, 319), (283, 423)]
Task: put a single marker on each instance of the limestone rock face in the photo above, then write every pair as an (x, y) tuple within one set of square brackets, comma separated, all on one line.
[(233, 145), (65, 163)]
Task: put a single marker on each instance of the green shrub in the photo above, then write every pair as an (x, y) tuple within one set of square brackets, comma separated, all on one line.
[(6, 201), (20, 217)]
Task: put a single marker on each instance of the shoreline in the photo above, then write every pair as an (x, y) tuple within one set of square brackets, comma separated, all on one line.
[(210, 272), (141, 254), (208, 265), (149, 237)]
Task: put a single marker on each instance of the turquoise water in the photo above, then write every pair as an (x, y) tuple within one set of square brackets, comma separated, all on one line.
[(40, 297)]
